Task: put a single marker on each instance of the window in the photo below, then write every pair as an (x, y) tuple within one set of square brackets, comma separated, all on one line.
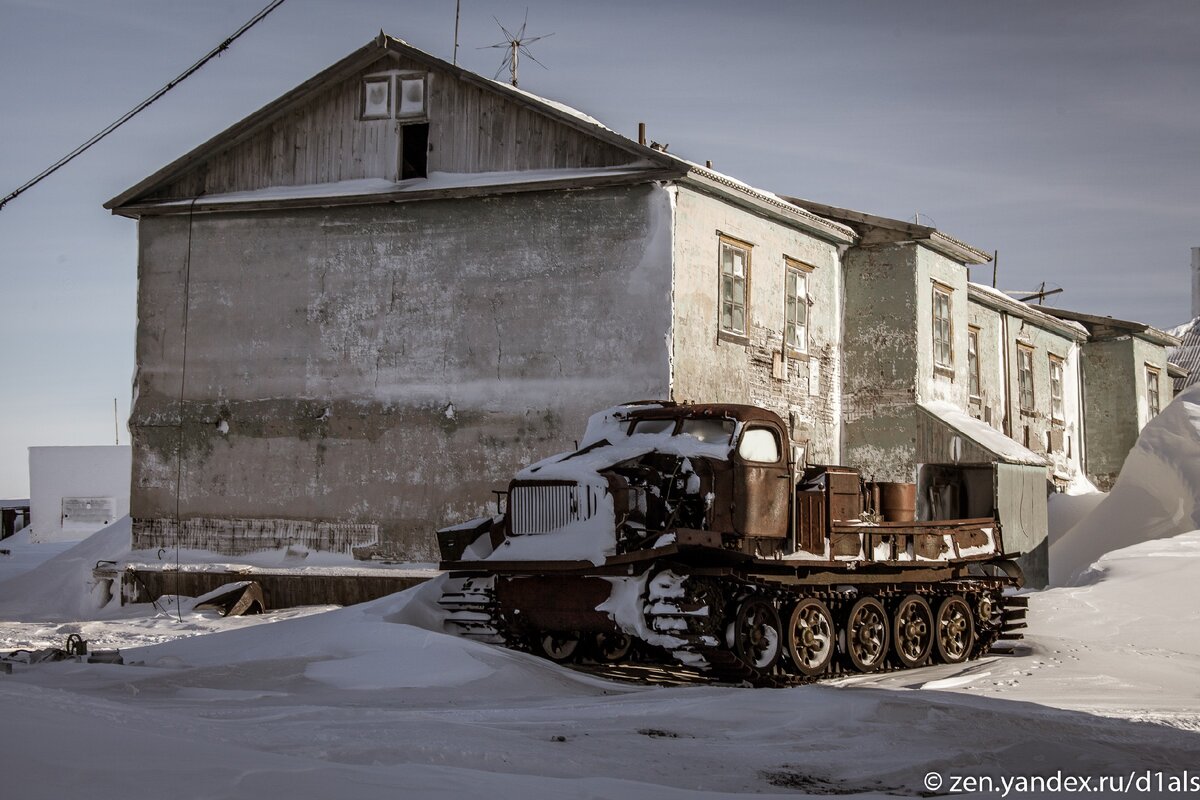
[(709, 431), (943, 352), (973, 371), (376, 98), (759, 444), (391, 94), (1153, 404), (1025, 378), (795, 330), (735, 277), (410, 96), (1056, 388)]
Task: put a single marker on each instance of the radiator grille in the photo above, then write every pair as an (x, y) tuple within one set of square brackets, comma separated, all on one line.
[(542, 508)]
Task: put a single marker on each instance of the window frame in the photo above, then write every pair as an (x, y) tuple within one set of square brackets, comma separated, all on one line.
[(1025, 351), (1058, 403), (946, 366), (1155, 408), (369, 81), (730, 333), (974, 376), (802, 271)]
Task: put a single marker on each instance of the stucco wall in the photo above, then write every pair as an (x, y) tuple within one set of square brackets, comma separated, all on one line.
[(373, 372), (880, 388), (936, 382), (1112, 407), (706, 368), (1117, 403)]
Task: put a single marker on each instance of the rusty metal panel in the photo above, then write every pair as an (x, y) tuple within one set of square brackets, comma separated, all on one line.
[(761, 491), (845, 494), (810, 522), (555, 603)]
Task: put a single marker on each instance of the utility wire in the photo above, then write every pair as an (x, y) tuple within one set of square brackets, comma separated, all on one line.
[(216, 51)]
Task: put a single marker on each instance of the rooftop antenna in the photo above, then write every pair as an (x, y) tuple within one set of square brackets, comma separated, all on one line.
[(516, 46), (457, 9)]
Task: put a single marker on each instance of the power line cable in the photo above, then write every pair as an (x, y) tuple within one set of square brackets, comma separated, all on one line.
[(216, 51)]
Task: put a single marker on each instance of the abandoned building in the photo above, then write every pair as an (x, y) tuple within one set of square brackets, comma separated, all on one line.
[(362, 307), (1127, 380)]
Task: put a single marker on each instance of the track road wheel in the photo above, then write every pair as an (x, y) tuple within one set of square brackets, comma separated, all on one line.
[(912, 632), (867, 634), (754, 635), (613, 647), (810, 636), (558, 645), (955, 630)]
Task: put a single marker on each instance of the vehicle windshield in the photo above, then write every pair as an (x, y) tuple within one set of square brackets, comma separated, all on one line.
[(652, 426), (709, 431)]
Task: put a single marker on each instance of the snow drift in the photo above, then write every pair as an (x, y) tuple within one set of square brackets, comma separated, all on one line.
[(1156, 495), (61, 588)]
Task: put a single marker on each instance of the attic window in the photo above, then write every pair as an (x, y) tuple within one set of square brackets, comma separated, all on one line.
[(377, 98), (410, 96), (394, 95)]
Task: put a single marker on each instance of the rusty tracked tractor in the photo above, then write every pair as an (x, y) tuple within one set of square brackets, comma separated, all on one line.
[(683, 535)]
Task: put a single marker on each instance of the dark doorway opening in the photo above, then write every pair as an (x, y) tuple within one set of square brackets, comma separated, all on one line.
[(414, 147)]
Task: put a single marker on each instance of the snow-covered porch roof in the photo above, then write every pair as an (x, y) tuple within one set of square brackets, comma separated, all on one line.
[(983, 436)]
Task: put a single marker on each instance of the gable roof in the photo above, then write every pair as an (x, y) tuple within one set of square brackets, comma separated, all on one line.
[(361, 59)]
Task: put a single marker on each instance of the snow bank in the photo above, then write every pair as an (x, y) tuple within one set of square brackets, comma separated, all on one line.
[(1156, 495), (60, 589)]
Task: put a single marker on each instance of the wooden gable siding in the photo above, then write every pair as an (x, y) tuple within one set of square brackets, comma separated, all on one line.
[(324, 141)]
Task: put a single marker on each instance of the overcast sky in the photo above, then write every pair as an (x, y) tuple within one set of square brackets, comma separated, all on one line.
[(1064, 135)]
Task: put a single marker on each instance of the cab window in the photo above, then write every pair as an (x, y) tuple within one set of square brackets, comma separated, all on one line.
[(709, 431), (652, 426), (759, 444)]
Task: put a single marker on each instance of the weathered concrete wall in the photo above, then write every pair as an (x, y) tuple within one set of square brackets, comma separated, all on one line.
[(881, 344), (934, 382), (1117, 401), (1112, 407), (356, 374), (706, 368), (993, 404)]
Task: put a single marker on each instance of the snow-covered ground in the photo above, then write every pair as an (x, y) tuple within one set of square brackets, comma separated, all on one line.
[(374, 701)]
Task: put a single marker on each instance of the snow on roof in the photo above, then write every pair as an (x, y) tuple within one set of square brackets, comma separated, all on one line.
[(563, 107), (1027, 311), (983, 434), (365, 187), (1187, 353)]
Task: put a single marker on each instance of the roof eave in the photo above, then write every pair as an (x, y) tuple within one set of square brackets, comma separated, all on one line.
[(777, 208), (898, 230), (1024, 311), (136, 211)]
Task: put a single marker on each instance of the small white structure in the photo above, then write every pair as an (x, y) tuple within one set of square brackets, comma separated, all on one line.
[(76, 491)]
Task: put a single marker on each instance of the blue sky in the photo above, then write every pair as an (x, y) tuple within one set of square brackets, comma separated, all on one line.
[(1065, 135)]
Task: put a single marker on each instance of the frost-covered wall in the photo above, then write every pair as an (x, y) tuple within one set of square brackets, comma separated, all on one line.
[(880, 385), (355, 377), (707, 367), (941, 381)]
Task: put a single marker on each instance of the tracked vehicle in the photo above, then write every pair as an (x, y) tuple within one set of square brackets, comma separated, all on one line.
[(686, 535)]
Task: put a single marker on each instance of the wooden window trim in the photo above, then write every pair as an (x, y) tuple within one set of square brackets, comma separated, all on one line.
[(1026, 410), (945, 368), (384, 79), (973, 332), (1158, 383), (805, 270), (1053, 360), (409, 119), (724, 334)]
